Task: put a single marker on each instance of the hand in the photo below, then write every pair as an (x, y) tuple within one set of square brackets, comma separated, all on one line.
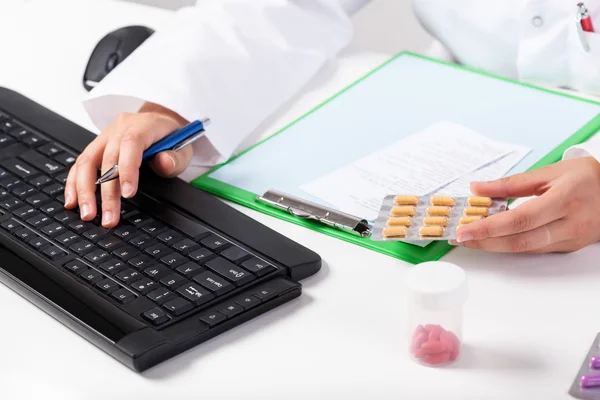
[(123, 143), (563, 218)]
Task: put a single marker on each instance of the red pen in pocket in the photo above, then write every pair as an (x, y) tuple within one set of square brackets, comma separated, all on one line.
[(584, 18)]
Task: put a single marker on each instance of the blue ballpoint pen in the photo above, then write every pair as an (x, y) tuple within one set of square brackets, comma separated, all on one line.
[(175, 141)]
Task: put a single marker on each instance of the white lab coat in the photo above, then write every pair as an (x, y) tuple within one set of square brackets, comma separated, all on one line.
[(239, 61)]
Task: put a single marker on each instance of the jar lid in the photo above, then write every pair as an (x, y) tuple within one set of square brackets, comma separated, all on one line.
[(437, 285)]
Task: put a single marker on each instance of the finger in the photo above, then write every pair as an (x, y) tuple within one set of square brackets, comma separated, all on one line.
[(170, 164), (139, 137), (111, 191), (544, 236), (532, 183), (566, 246), (71, 188), (529, 215), (87, 172)]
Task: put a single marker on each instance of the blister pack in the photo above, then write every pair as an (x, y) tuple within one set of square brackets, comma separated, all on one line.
[(586, 384), (407, 217)]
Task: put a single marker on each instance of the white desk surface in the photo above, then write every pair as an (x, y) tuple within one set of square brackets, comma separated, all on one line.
[(528, 320)]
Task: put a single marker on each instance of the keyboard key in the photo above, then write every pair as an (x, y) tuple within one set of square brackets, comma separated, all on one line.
[(10, 182), (173, 281), (157, 272), (25, 212), (235, 254), (213, 318), (231, 310), (158, 250), (80, 227), (128, 275), (257, 266), (178, 306), (91, 276), (7, 125), (230, 271), (52, 208), (138, 220), (266, 293), (4, 193), (173, 260), (153, 228), (195, 293), (18, 132), (110, 242), (185, 246), (19, 168), (125, 253), (97, 256), (54, 229), (214, 283), (34, 140), (6, 141), (65, 158), (38, 199), (168, 237), (22, 190), (50, 149), (38, 243), (113, 266), (248, 302), (61, 198), (189, 269), (142, 241), (123, 296), (144, 285), (10, 203), (82, 247), (141, 262), (214, 242), (126, 208), (66, 238), (41, 162), (40, 181), (155, 316), (160, 295), (10, 225), (54, 253), (125, 232), (38, 220), (107, 286), (24, 234), (201, 255), (62, 178), (75, 266), (54, 189), (95, 234)]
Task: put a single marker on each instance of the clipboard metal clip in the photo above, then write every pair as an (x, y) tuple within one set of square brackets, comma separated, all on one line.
[(308, 210)]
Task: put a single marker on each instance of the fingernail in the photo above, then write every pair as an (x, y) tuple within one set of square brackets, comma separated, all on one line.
[(172, 160), (452, 242), (106, 217), (68, 199), (127, 189), (85, 210), (464, 237)]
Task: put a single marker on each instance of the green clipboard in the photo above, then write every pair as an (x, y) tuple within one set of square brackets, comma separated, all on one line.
[(584, 120)]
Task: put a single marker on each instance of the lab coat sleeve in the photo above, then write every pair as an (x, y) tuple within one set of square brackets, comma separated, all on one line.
[(234, 61)]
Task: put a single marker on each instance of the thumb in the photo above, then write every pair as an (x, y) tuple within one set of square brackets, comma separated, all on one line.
[(170, 164), (525, 184)]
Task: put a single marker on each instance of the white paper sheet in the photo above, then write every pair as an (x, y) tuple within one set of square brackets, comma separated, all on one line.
[(419, 164)]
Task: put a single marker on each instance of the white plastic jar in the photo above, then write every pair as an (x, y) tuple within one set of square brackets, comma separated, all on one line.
[(437, 292)]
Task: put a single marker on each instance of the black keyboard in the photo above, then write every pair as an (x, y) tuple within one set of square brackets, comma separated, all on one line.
[(159, 266)]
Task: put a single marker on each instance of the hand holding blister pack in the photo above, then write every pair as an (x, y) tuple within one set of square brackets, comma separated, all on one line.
[(408, 217)]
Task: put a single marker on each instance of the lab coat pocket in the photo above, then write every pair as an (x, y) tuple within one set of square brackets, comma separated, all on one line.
[(584, 64)]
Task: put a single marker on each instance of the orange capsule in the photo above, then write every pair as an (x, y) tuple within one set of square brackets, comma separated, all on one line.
[(435, 359), (406, 200), (432, 347)]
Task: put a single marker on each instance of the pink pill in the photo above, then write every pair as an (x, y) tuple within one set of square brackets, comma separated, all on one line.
[(418, 330), (434, 332), (418, 341), (433, 347), (435, 359)]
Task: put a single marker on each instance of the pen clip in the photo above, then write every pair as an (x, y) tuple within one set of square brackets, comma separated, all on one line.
[(580, 32), (189, 141)]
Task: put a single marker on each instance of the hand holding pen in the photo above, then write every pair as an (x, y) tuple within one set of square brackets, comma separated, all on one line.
[(127, 143)]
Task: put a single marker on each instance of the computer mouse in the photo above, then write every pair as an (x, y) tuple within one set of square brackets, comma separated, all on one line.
[(111, 50)]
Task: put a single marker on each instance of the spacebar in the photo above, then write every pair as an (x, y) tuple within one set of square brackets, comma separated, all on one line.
[(171, 217)]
